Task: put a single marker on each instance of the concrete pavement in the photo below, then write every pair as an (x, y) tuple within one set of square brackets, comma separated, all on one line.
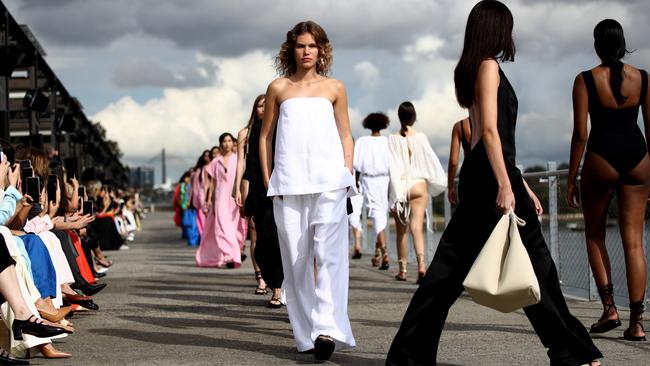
[(159, 309)]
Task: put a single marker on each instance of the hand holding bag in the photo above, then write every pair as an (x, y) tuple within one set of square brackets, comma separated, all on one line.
[(502, 276)]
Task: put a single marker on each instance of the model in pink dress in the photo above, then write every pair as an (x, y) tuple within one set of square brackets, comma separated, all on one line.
[(198, 189), (220, 241)]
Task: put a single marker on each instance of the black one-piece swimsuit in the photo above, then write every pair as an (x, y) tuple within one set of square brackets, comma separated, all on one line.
[(615, 135)]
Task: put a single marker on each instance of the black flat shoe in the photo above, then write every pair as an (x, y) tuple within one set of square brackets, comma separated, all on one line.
[(87, 288), (356, 255), (88, 304), (6, 359), (274, 303), (32, 327), (323, 347), (604, 326)]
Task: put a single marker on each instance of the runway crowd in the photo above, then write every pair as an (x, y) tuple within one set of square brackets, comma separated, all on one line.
[(294, 182)]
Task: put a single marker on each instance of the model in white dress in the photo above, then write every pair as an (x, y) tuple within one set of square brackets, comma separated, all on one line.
[(371, 160), (415, 174)]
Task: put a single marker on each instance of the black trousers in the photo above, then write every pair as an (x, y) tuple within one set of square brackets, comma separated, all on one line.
[(267, 249), (416, 342)]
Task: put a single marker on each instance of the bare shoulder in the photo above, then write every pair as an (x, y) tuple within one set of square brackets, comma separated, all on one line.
[(488, 67), (335, 85), (276, 86), (242, 133)]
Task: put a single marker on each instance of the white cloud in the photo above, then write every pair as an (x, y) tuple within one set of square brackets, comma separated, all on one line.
[(424, 48), (368, 74), (188, 121)]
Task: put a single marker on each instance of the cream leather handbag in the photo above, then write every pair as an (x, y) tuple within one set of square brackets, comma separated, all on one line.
[(502, 276)]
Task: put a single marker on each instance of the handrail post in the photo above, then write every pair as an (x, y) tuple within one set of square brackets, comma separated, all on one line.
[(553, 216)]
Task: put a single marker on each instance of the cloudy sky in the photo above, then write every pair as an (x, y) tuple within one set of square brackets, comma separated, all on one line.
[(178, 73)]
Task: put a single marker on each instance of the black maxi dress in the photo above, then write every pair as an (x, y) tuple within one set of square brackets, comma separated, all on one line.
[(416, 342), (260, 207)]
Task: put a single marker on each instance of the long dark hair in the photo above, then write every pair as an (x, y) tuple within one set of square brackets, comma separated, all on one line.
[(201, 162), (407, 116), (488, 35), (609, 42)]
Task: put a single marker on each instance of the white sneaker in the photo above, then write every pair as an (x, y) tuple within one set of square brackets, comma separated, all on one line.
[(124, 247)]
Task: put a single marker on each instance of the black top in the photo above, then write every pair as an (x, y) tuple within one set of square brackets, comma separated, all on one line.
[(615, 134)]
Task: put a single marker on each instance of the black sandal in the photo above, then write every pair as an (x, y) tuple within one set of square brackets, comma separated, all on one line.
[(260, 290), (605, 325), (323, 347), (6, 359), (274, 303), (636, 308)]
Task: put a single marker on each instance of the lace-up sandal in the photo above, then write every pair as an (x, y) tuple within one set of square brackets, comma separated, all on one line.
[(375, 260), (384, 261), (604, 324), (636, 311), (401, 275), (259, 290), (420, 259)]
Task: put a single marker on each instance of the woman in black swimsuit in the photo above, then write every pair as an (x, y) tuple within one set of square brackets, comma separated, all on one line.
[(490, 183), (616, 160)]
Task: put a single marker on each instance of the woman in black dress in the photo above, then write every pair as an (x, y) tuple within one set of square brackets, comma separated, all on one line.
[(260, 207), (616, 160), (490, 184)]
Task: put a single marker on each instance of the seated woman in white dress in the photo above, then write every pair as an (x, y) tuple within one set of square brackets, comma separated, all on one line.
[(415, 174), (372, 163)]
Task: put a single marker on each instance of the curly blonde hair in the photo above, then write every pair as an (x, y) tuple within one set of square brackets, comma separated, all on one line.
[(285, 61)]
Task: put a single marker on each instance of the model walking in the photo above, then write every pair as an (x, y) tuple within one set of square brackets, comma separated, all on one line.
[(372, 163), (220, 245), (616, 161), (311, 177), (415, 173), (490, 184)]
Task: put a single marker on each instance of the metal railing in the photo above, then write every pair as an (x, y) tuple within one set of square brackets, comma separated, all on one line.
[(562, 227)]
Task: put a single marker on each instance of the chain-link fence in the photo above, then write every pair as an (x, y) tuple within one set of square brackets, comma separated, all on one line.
[(563, 229)]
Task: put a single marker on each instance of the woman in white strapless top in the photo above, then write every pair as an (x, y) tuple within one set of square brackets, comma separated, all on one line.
[(309, 184), (415, 173)]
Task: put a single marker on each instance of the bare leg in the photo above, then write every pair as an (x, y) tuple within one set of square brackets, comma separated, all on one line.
[(598, 182), (253, 233), (419, 200), (10, 289), (357, 240), (402, 250), (632, 202)]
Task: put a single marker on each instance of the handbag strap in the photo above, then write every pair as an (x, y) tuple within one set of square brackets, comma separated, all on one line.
[(515, 218)]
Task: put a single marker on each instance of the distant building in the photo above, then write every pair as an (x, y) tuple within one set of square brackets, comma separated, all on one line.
[(142, 177)]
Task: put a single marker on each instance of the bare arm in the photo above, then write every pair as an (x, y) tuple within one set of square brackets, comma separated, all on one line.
[(241, 165), (578, 138), (486, 98), (646, 117), (269, 122), (452, 167), (343, 124), (539, 209)]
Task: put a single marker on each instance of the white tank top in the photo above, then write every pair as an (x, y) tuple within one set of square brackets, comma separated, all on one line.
[(308, 152)]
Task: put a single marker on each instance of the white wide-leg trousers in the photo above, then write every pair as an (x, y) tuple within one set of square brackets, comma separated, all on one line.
[(313, 228)]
